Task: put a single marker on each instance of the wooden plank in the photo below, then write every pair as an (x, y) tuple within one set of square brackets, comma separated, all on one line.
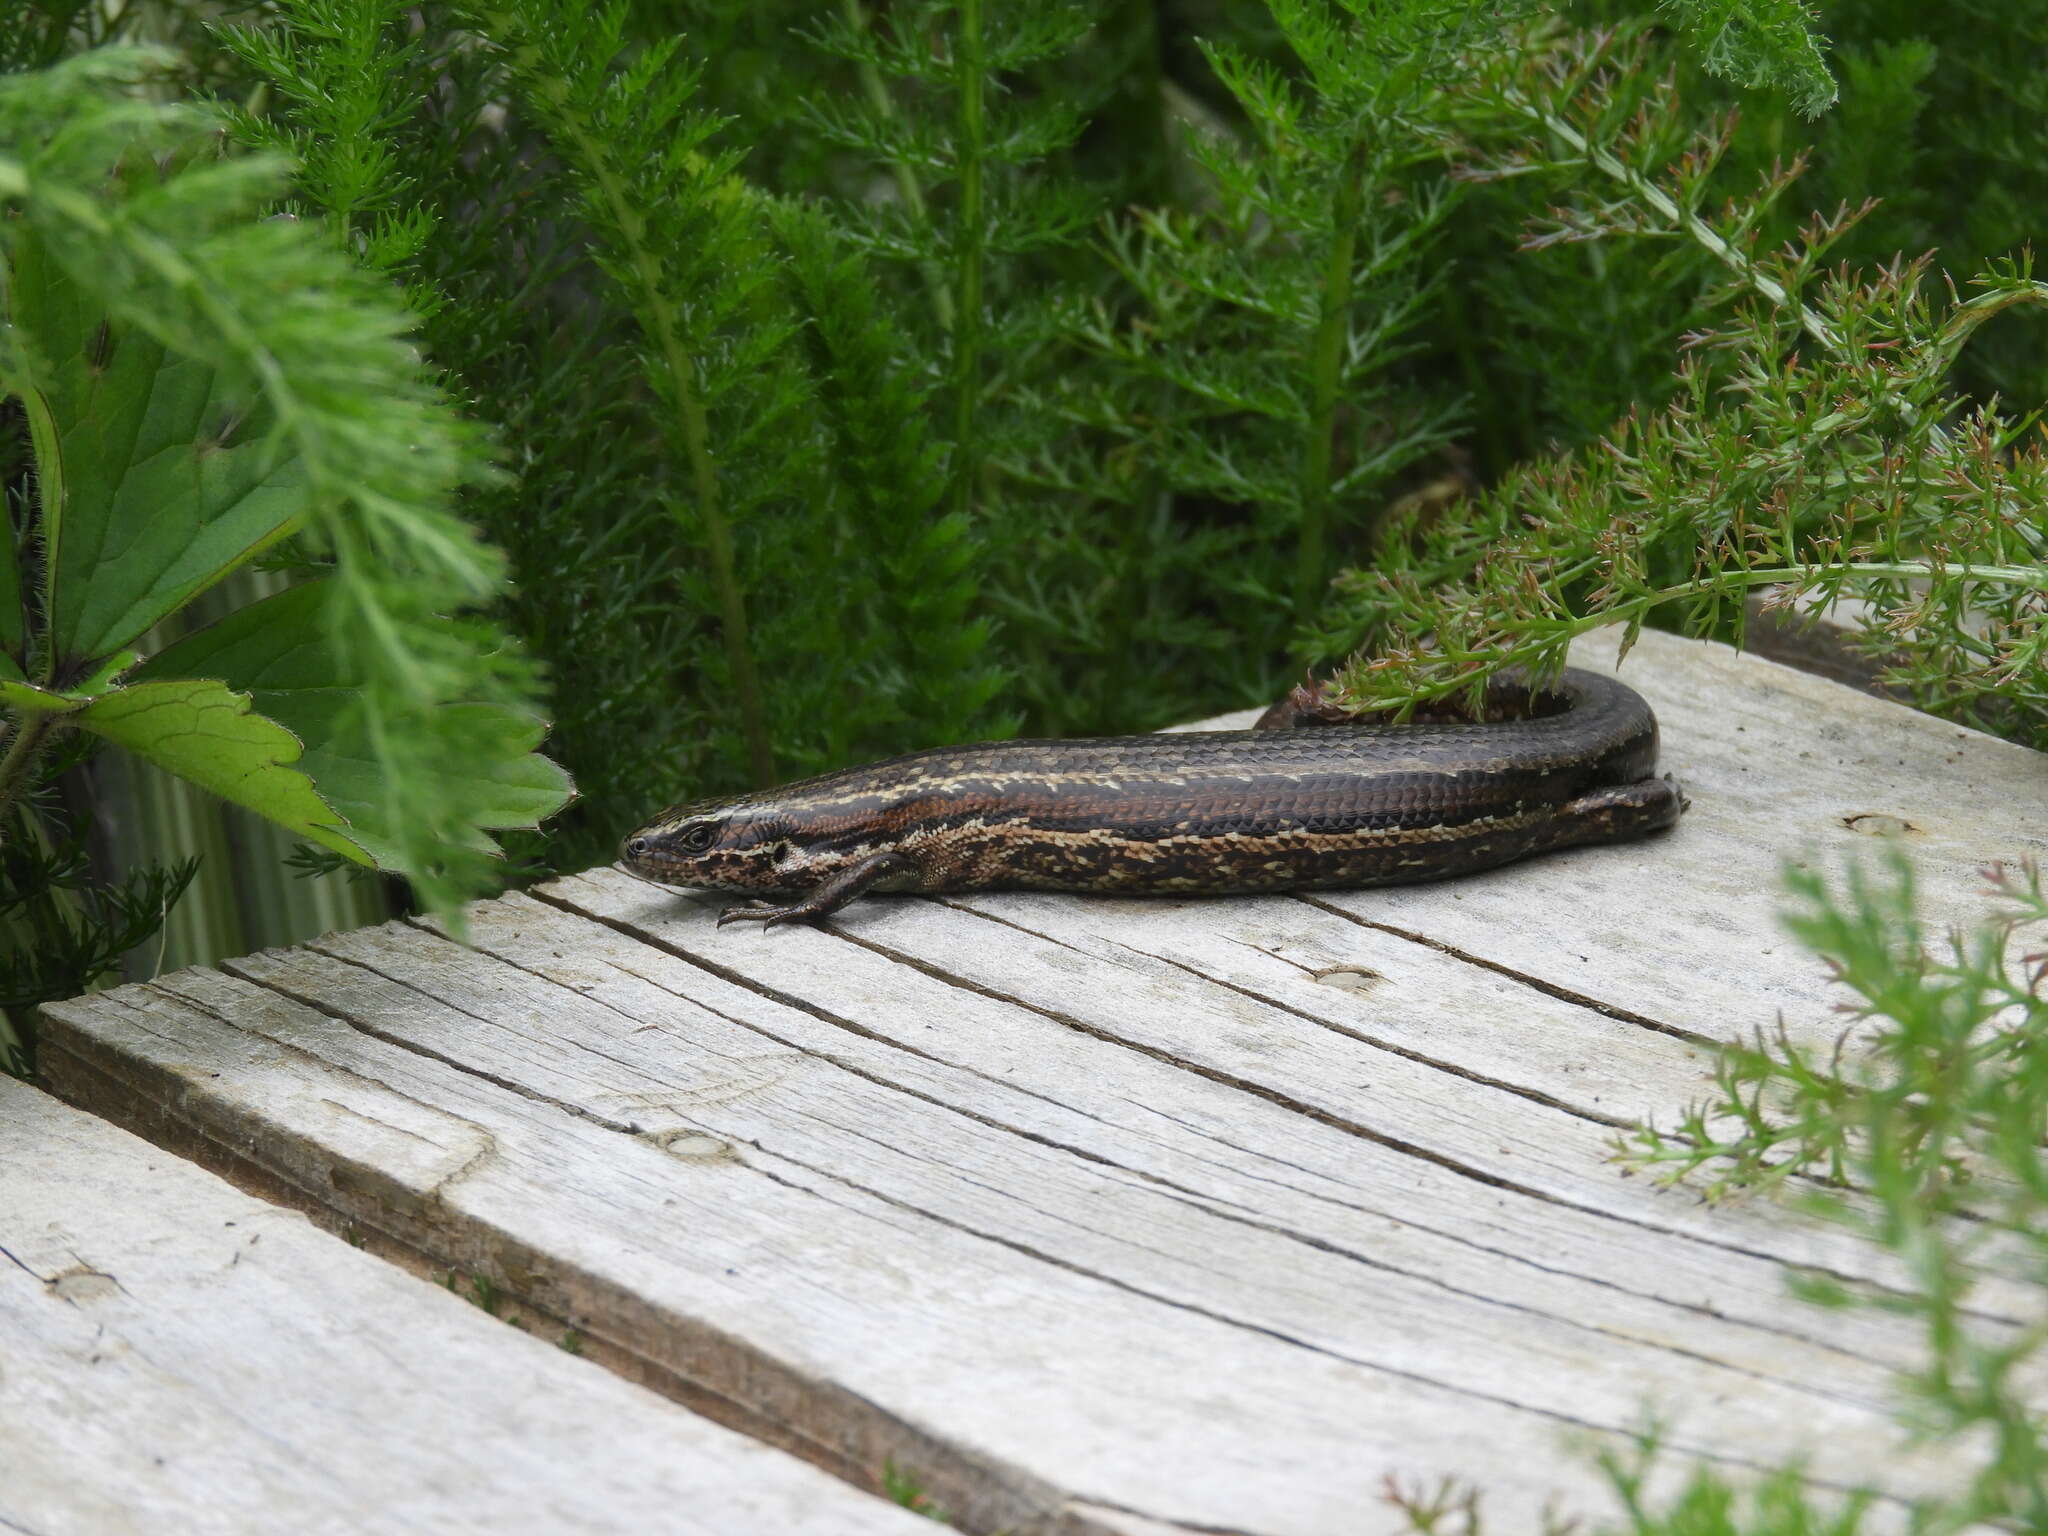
[(1023, 1389), (814, 1097), (1150, 1072), (1112, 1215), (1779, 766), (562, 1048), (176, 1355)]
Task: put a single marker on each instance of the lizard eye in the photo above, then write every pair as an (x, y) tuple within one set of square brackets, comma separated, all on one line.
[(699, 837)]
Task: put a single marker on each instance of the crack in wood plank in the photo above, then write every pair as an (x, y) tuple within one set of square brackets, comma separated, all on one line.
[(311, 1388), (335, 952), (1509, 1256), (165, 987), (971, 908), (7, 1254), (495, 1249), (1197, 1199), (478, 1157), (240, 969), (1574, 1422), (1563, 994), (773, 994), (825, 1016), (1718, 1239), (1314, 1112), (1533, 1095)]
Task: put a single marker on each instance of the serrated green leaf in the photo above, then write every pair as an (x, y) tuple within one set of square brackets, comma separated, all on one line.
[(275, 645), (203, 731), (27, 699), (170, 479), (277, 650)]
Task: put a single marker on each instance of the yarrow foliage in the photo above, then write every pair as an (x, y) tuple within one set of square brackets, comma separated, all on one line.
[(1816, 449)]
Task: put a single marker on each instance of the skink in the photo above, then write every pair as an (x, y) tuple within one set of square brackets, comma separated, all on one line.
[(1293, 805)]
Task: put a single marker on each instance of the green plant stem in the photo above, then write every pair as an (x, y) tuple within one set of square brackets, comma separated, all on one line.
[(1326, 379), (970, 246), (1136, 115), (877, 91), (19, 761), (48, 449), (696, 434), (1610, 165)]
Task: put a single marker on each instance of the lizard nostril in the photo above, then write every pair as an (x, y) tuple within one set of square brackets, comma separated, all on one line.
[(636, 847)]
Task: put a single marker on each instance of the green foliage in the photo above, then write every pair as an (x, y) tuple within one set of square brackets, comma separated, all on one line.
[(197, 382), (1763, 44), (1920, 1130), (275, 653), (201, 730), (363, 67), (723, 523), (965, 193), (786, 301), (909, 572), (902, 1487), (485, 1294), (1930, 1106), (1704, 1503), (964, 150), (1817, 446), (63, 919), (1243, 408), (678, 235), (875, 376), (1267, 327)]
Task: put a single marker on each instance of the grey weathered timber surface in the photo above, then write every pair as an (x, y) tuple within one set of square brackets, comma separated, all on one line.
[(1131, 1216), (178, 1356)]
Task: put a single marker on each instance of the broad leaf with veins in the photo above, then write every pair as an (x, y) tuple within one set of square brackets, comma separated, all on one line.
[(276, 649), (169, 479)]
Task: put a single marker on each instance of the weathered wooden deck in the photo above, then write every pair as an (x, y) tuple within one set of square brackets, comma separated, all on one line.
[(178, 1358), (1126, 1216)]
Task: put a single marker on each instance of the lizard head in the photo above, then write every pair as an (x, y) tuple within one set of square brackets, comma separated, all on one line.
[(757, 843), (723, 845)]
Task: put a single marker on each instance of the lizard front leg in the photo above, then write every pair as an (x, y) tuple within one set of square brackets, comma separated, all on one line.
[(828, 896)]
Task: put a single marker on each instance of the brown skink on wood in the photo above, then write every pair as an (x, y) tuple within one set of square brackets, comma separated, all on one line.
[(1288, 805)]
